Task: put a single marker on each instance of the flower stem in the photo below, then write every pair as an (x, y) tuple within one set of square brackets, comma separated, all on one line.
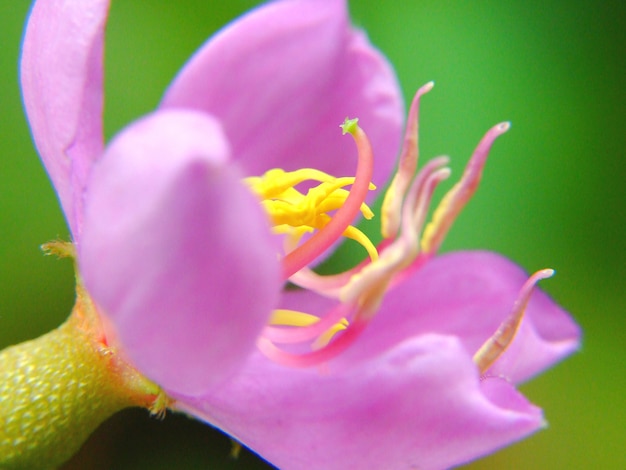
[(55, 390)]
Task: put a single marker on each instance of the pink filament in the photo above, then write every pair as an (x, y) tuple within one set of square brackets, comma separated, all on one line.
[(324, 238), (312, 358), (463, 191), (407, 164), (499, 342)]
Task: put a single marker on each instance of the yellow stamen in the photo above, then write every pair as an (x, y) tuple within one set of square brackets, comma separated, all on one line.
[(284, 317), (325, 337), (295, 213), (275, 181)]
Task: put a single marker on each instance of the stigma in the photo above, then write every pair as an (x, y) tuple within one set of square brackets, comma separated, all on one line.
[(313, 220)]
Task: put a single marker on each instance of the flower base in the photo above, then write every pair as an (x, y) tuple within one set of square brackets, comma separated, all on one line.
[(55, 390)]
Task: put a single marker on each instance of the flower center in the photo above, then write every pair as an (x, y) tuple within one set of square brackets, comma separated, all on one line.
[(312, 222), (294, 214)]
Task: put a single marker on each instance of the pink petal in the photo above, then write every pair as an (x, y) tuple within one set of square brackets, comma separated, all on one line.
[(177, 252), (61, 74), (468, 294), (418, 405), (283, 78)]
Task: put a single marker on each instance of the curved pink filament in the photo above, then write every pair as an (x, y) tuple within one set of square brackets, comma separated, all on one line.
[(312, 358), (407, 164), (419, 195), (499, 342), (456, 199), (374, 283), (324, 238)]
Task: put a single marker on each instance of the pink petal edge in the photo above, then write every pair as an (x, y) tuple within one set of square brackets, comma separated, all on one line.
[(61, 78), (283, 77), (419, 405)]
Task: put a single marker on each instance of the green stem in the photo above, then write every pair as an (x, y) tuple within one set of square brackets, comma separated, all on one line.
[(55, 390)]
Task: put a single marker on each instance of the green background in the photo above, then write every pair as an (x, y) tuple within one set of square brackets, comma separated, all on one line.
[(552, 196)]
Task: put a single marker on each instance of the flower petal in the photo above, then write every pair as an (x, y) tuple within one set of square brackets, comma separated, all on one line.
[(61, 75), (177, 252), (283, 78), (419, 405), (468, 294)]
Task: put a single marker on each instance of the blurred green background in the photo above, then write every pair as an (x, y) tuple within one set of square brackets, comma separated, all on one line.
[(552, 196)]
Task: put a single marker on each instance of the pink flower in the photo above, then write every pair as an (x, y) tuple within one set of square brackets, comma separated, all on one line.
[(178, 254)]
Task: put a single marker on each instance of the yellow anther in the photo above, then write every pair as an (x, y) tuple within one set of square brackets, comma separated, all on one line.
[(278, 185), (284, 317), (295, 233), (325, 338), (336, 199), (355, 234), (275, 181), (289, 206), (295, 213)]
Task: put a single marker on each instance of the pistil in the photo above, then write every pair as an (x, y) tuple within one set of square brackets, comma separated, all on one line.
[(323, 239)]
